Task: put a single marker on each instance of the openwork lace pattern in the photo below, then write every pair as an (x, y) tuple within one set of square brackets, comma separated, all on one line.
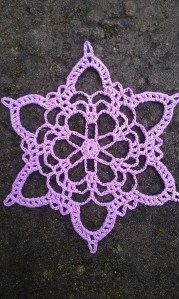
[(90, 127)]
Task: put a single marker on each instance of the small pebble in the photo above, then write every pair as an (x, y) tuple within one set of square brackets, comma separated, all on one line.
[(130, 8), (80, 270)]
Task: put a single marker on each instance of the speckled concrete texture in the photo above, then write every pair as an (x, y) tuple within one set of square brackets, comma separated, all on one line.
[(40, 254)]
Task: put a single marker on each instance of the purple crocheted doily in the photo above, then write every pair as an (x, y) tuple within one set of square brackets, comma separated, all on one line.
[(105, 119)]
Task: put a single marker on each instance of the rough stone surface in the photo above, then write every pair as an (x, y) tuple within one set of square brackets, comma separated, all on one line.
[(40, 255)]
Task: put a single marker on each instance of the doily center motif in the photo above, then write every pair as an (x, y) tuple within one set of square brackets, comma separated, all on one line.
[(97, 137)]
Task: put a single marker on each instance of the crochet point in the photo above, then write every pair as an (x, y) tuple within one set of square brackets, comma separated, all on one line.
[(6, 101), (8, 201), (93, 246), (88, 49)]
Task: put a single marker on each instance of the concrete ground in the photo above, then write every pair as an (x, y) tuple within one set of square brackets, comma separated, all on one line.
[(40, 254)]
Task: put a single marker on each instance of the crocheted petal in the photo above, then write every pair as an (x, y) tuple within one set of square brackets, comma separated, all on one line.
[(16, 195), (77, 123), (106, 124), (168, 102), (92, 237), (15, 109), (76, 173), (168, 193), (89, 60)]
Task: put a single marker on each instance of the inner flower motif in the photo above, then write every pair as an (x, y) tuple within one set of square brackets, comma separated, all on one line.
[(108, 149)]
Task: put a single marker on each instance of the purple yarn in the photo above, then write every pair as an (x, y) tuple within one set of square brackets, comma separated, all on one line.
[(110, 103)]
